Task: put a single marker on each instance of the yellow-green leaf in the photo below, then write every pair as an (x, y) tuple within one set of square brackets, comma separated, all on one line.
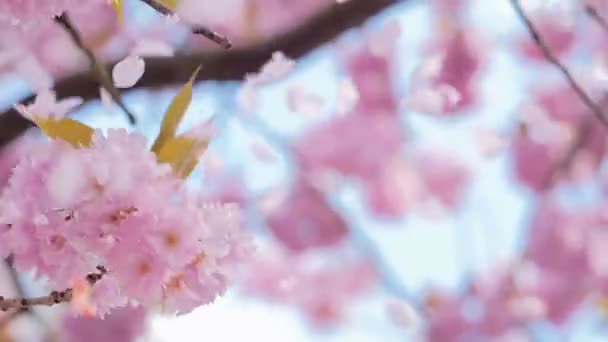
[(182, 153), (174, 114), (170, 4), (72, 131), (118, 6)]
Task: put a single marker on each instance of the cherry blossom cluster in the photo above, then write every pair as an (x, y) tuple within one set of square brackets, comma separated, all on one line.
[(67, 211), (549, 127), (321, 290), (565, 244)]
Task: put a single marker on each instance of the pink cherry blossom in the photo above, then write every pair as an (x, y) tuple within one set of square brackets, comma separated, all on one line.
[(533, 162), (549, 129), (31, 13), (557, 239), (372, 75), (127, 72), (46, 105), (11, 154), (559, 246), (122, 325), (396, 190), (344, 144), (302, 101), (306, 220), (460, 58), (83, 209), (277, 68), (320, 290), (444, 176)]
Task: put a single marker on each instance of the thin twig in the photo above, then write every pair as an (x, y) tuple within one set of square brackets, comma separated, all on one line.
[(55, 297), (550, 57), (98, 68), (8, 318), (597, 17), (196, 29)]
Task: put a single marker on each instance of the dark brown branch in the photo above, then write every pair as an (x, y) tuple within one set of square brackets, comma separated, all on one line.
[(55, 297), (551, 58), (101, 73), (198, 29), (597, 17), (223, 66)]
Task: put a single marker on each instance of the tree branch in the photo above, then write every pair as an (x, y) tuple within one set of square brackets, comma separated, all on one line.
[(551, 58), (51, 299), (198, 29), (8, 318), (223, 66), (597, 17), (101, 73)]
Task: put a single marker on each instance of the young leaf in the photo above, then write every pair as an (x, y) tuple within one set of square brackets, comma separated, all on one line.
[(182, 153), (118, 6), (71, 131), (170, 4), (174, 114)]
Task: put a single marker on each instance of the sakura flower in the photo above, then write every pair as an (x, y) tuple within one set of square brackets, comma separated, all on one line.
[(445, 177), (560, 296), (208, 273), (565, 231), (549, 128), (446, 86), (306, 220), (31, 13), (12, 153), (45, 105), (320, 290), (347, 97), (432, 100), (123, 325), (277, 68), (343, 144), (302, 101), (395, 191), (534, 162), (127, 72), (67, 211), (372, 76)]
